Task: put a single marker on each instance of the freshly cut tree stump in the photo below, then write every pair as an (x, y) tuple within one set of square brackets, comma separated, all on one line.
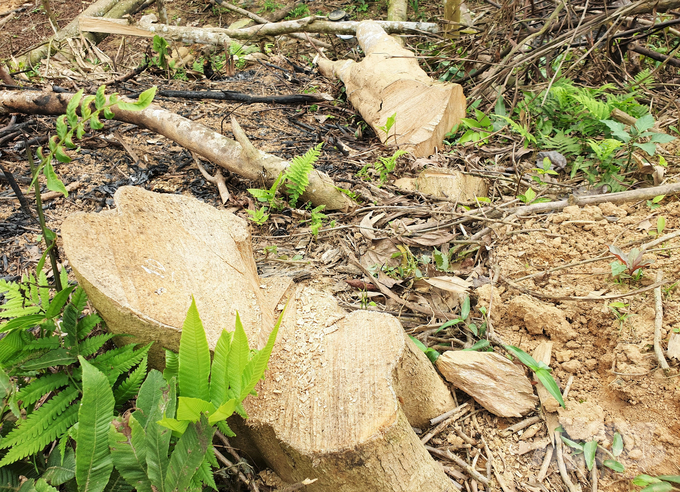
[(342, 390), (141, 262), (388, 81)]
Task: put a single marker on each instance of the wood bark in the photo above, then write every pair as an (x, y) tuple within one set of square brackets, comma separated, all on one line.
[(216, 36), (390, 81), (331, 407), (114, 9), (238, 157)]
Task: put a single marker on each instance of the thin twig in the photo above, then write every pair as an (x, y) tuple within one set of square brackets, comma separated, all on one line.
[(560, 464), (658, 323)]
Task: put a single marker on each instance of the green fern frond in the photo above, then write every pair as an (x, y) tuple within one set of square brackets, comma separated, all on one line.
[(42, 427), (11, 345), (562, 143), (92, 344), (599, 110), (45, 343), (87, 324), (297, 175), (17, 300), (130, 386), (35, 390)]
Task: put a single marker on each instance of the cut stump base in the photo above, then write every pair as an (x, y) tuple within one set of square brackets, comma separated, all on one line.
[(342, 389)]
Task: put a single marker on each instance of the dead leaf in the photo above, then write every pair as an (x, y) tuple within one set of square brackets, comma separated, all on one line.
[(433, 238), (451, 284), (367, 223), (360, 284)]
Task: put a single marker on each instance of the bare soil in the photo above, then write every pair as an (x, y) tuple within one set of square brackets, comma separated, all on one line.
[(617, 383)]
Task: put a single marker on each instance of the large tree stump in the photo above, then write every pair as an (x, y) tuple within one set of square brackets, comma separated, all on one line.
[(388, 81), (342, 389)]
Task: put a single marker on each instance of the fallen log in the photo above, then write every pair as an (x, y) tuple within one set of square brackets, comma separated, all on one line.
[(114, 9), (389, 81), (238, 157), (332, 407), (216, 36)]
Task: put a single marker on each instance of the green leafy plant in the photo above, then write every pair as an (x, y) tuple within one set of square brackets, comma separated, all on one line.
[(541, 370), (660, 226), (208, 395), (661, 483), (317, 217), (476, 130), (160, 46), (589, 450), (654, 203), (529, 197), (42, 358), (638, 132), (259, 216), (545, 169), (384, 166), (68, 126), (464, 319), (391, 120), (299, 11), (297, 175), (617, 309), (630, 265), (431, 353)]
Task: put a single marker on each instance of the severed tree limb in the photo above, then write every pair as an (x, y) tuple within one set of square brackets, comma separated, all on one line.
[(248, 163), (216, 36), (98, 10)]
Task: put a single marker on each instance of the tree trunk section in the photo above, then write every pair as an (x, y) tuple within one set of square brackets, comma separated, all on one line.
[(389, 81), (342, 390)]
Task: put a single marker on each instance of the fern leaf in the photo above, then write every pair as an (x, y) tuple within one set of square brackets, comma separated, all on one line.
[(17, 303), (93, 459), (218, 374), (42, 427), (9, 480), (127, 441), (238, 359), (10, 345), (117, 483), (157, 398), (204, 473), (194, 357), (86, 324), (42, 344), (257, 365), (57, 357), (60, 471), (153, 398), (188, 455), (91, 345), (39, 387), (297, 175), (171, 365), (130, 386)]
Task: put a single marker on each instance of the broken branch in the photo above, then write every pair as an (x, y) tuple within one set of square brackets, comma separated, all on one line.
[(193, 136)]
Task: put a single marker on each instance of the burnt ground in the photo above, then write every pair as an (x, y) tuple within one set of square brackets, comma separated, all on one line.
[(605, 348)]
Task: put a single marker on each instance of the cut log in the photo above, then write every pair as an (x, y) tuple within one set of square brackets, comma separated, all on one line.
[(238, 157), (332, 406), (389, 81)]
